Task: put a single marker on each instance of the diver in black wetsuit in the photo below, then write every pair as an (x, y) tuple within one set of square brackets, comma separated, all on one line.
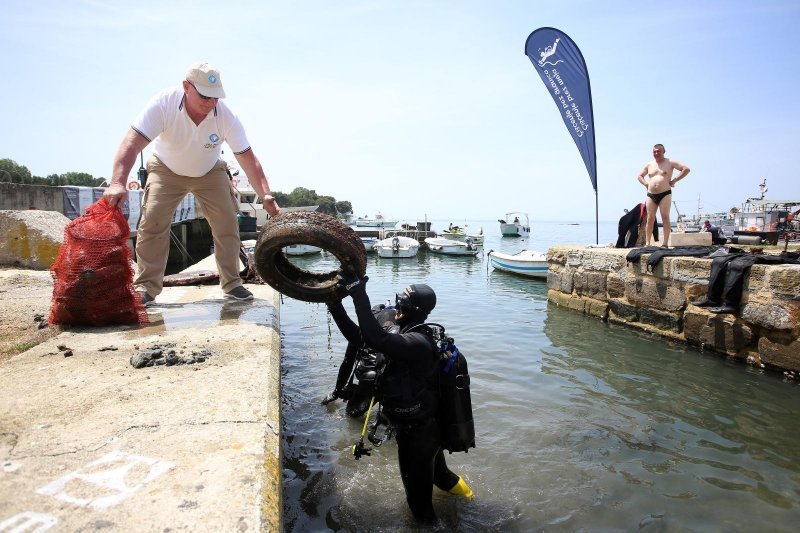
[(408, 391)]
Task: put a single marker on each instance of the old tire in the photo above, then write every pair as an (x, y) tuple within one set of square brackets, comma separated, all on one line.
[(316, 229)]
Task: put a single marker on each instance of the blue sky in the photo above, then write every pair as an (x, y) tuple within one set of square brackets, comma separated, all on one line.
[(418, 108)]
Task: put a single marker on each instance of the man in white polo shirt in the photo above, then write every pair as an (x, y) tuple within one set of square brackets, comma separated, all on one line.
[(188, 125)]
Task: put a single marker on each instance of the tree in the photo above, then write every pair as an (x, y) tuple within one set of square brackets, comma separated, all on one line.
[(81, 179), (11, 172), (327, 204), (301, 196), (281, 198), (344, 208)]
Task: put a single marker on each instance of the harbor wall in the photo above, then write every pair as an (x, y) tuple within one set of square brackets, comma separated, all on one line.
[(765, 332)]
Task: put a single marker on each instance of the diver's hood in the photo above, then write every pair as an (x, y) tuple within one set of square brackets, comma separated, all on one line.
[(416, 302), (422, 297)]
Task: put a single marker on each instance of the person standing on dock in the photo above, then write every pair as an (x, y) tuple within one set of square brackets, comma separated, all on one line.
[(188, 124), (659, 189)]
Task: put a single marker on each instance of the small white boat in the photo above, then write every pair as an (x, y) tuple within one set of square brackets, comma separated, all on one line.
[(379, 221), (444, 246), (515, 228), (397, 246), (369, 243), (477, 238), (528, 263), (301, 249)]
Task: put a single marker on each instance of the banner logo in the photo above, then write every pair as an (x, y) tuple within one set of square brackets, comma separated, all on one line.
[(548, 51)]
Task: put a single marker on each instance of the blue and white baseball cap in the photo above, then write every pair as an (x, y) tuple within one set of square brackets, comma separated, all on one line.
[(206, 79)]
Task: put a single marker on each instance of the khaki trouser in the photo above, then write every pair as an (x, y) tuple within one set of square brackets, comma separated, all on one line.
[(162, 195)]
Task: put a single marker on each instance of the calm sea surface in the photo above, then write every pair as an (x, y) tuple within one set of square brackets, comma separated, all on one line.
[(580, 425)]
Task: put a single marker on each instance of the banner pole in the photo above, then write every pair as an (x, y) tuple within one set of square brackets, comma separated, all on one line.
[(596, 219)]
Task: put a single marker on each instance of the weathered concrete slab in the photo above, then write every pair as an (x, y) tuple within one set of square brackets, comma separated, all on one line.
[(31, 239), (87, 441)]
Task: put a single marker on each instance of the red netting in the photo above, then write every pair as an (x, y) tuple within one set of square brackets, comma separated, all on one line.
[(92, 276)]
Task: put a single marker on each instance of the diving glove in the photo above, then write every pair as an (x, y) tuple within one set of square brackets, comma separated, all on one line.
[(462, 489), (350, 281)]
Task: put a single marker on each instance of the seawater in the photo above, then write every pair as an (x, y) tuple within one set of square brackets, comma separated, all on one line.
[(581, 425)]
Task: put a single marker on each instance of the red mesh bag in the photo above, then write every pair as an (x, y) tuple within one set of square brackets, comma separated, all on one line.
[(92, 276)]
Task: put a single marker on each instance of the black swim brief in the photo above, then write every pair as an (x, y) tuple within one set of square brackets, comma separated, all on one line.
[(657, 197)]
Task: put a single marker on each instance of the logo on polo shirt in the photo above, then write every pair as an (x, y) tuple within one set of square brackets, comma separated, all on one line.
[(215, 141), (212, 79)]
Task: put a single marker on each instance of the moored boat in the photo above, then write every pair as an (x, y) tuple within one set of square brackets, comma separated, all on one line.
[(515, 228), (369, 243), (477, 238), (397, 247), (379, 221), (301, 249), (528, 263), (440, 245)]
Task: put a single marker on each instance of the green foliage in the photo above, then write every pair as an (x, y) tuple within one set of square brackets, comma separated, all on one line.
[(11, 172), (281, 197), (327, 204), (344, 207), (302, 197)]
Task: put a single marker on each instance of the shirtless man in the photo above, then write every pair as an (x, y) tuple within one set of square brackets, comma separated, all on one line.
[(659, 189)]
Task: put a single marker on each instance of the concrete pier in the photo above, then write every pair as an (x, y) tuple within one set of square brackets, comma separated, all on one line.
[(600, 282), (89, 442)]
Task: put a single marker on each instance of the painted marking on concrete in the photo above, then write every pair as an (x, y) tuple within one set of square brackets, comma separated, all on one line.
[(102, 483), (28, 522)]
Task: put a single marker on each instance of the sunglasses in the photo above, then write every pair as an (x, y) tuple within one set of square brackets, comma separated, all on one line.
[(204, 97)]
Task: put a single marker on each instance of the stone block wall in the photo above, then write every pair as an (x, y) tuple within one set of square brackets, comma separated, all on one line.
[(600, 282)]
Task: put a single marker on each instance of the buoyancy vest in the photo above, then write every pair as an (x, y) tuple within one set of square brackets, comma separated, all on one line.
[(408, 395)]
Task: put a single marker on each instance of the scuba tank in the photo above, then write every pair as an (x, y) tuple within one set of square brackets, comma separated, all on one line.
[(454, 415), (455, 403)]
